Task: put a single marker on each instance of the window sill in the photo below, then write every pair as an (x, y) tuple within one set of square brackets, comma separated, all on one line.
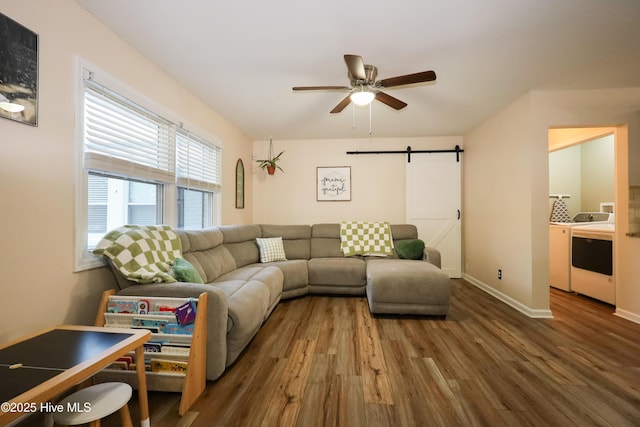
[(89, 261)]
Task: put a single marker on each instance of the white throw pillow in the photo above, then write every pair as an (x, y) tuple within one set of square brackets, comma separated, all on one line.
[(271, 249)]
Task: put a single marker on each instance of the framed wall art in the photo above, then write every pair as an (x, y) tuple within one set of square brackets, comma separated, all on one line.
[(333, 183), (18, 72)]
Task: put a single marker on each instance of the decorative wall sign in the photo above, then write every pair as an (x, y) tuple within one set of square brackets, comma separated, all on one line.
[(18, 72), (333, 183), (239, 184)]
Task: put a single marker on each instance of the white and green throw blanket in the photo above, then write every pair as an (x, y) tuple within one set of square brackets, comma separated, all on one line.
[(365, 238), (142, 253)]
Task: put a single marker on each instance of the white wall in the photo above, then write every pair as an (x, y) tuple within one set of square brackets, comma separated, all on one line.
[(377, 180), (37, 167)]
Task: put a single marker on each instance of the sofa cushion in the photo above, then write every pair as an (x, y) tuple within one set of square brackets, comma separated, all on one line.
[(404, 231), (271, 249), (296, 277), (252, 292), (200, 240), (337, 271), (270, 276), (401, 286), (240, 240), (248, 303), (204, 250), (295, 238), (325, 241)]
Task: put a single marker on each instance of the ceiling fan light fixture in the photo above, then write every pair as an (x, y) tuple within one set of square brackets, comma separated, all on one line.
[(363, 97)]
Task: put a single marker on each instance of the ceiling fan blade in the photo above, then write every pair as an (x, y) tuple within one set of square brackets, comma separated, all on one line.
[(392, 102), (321, 88), (341, 106), (355, 64), (425, 76)]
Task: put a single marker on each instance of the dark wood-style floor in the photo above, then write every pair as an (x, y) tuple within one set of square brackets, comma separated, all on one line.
[(326, 361)]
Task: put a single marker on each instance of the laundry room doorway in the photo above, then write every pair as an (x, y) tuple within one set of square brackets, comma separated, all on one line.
[(582, 189)]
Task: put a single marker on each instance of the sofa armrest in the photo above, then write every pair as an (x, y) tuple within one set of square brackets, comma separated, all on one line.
[(432, 255), (217, 316)]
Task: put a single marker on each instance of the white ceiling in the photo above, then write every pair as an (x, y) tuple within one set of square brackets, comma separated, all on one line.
[(242, 57)]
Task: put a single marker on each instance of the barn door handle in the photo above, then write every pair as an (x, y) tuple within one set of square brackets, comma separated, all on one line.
[(458, 214)]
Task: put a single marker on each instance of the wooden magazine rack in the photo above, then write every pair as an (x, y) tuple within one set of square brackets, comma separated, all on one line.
[(190, 383)]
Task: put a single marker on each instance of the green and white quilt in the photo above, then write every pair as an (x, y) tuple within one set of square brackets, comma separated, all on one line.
[(142, 253), (365, 238)]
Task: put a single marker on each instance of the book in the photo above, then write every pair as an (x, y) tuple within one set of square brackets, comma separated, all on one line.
[(122, 306), (173, 366), (139, 322), (175, 328), (120, 365), (126, 359), (186, 313), (182, 350), (152, 347)]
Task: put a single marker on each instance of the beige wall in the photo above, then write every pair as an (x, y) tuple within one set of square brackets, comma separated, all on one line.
[(564, 177), (585, 172), (497, 201), (377, 180), (37, 167), (597, 173), (509, 155), (566, 137)]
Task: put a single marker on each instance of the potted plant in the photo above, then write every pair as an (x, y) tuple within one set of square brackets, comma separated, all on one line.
[(270, 164)]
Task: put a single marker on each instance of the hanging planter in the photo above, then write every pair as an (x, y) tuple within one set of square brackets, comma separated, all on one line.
[(270, 164)]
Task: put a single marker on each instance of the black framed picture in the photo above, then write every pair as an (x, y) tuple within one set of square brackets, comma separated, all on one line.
[(18, 72)]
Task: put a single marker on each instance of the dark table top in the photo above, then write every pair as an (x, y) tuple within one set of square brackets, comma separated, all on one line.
[(47, 355)]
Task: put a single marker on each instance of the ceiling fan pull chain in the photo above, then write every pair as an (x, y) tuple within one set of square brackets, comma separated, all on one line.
[(370, 121), (353, 110)]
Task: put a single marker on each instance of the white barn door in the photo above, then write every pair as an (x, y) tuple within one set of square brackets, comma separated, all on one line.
[(434, 205)]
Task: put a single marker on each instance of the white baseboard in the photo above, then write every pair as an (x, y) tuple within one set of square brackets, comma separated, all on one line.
[(531, 312), (633, 317)]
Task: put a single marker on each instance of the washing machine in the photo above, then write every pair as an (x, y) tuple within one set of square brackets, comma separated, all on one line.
[(560, 245), (592, 261)]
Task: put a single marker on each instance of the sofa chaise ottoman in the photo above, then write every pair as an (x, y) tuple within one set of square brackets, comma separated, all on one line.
[(401, 286)]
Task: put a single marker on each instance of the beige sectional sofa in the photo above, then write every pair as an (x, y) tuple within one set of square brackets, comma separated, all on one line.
[(242, 292)]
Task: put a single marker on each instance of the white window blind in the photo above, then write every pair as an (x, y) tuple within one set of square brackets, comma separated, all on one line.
[(199, 162), (124, 138)]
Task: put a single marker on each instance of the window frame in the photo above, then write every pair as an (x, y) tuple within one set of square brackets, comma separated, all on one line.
[(84, 259)]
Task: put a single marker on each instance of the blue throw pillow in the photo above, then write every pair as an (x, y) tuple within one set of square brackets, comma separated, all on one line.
[(410, 249)]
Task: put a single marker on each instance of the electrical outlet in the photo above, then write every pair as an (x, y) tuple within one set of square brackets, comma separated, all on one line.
[(499, 274)]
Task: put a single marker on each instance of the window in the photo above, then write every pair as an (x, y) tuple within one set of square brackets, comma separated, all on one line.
[(114, 202), (198, 178), (137, 167), (194, 208)]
